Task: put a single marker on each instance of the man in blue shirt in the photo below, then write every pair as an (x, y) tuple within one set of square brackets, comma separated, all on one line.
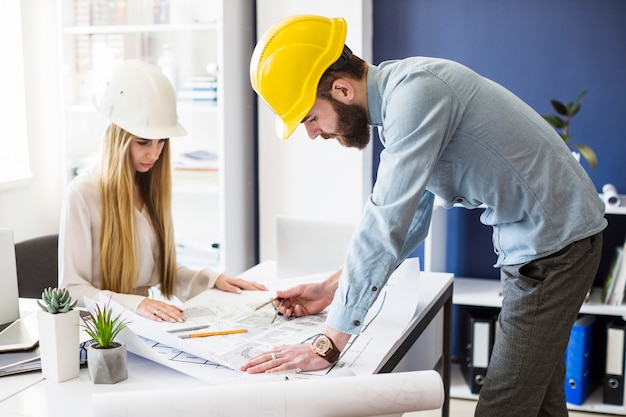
[(448, 132)]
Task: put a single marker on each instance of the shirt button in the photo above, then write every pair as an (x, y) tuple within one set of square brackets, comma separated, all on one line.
[(374, 289), (356, 322)]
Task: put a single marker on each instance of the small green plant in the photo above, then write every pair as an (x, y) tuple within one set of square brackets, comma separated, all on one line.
[(102, 327), (561, 121), (56, 300)]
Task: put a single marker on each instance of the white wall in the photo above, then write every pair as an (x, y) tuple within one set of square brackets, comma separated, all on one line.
[(32, 208), (299, 177)]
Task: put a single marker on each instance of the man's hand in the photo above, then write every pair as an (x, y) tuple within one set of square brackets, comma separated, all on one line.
[(286, 358), (308, 299)]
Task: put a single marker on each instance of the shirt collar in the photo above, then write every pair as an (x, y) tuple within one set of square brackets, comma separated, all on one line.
[(374, 97)]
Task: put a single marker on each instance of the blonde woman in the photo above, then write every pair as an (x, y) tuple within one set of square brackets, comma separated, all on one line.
[(116, 234)]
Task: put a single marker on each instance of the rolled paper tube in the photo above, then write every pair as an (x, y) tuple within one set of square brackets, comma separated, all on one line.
[(610, 195), (349, 396)]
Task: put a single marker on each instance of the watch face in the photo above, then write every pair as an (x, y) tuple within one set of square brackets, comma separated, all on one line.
[(321, 345)]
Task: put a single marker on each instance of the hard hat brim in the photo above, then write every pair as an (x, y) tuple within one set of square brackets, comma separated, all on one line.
[(283, 130), (158, 132)]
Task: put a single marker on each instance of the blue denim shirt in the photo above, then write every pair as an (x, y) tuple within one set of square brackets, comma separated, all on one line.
[(449, 132)]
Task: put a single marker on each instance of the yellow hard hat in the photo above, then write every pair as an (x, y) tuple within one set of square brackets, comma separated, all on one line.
[(289, 61)]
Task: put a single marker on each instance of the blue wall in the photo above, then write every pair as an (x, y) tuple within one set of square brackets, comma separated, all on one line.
[(538, 49)]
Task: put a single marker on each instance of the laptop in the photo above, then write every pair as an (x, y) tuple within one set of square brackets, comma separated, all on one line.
[(16, 334), (308, 246)]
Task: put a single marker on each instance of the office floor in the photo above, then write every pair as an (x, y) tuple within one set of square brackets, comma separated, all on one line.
[(465, 408)]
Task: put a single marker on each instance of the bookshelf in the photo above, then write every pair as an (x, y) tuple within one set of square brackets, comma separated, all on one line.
[(479, 292), (204, 47)]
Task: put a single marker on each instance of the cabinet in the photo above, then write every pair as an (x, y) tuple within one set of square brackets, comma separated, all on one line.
[(204, 47), (486, 293)]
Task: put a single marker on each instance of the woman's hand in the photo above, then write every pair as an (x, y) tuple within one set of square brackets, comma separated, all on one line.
[(160, 311), (231, 284)]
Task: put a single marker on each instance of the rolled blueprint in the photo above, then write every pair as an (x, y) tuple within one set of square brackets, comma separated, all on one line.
[(350, 396), (610, 195)]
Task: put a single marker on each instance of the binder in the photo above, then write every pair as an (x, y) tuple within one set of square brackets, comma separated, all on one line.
[(613, 382), (481, 328), (581, 376)]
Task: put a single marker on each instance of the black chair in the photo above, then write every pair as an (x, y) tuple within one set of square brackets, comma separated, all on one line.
[(37, 265)]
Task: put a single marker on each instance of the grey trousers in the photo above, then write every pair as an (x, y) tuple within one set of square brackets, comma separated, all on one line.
[(541, 301)]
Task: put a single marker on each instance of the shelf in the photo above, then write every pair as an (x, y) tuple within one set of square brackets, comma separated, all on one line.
[(482, 292), (150, 28), (192, 41), (189, 181), (459, 389)]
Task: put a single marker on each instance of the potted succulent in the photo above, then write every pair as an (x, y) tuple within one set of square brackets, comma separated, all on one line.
[(59, 347), (106, 358), (561, 121)]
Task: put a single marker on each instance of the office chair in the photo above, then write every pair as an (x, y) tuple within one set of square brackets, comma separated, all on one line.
[(37, 265)]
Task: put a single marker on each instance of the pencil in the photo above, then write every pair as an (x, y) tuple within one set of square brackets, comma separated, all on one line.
[(218, 333), (187, 329)]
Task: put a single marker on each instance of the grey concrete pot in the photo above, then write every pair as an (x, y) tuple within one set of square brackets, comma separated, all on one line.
[(107, 366)]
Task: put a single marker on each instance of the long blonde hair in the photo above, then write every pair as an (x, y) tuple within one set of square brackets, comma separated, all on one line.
[(117, 229)]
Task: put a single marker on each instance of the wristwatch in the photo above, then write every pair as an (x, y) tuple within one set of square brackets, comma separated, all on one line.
[(323, 346)]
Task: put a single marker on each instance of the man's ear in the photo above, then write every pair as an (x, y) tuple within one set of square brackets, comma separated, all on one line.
[(343, 90)]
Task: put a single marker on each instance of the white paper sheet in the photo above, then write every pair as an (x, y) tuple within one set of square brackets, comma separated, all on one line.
[(226, 310), (369, 395)]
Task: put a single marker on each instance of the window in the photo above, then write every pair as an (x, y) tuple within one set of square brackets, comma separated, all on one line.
[(14, 163)]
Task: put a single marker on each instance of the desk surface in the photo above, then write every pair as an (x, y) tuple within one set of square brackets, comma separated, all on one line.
[(31, 395)]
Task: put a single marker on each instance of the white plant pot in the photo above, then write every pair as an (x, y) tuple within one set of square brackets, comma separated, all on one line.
[(107, 366), (59, 345)]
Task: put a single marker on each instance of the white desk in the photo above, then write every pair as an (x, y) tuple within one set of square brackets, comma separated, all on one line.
[(31, 395)]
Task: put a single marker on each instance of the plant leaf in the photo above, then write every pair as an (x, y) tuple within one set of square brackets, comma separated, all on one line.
[(555, 121), (588, 154), (559, 107), (574, 106)]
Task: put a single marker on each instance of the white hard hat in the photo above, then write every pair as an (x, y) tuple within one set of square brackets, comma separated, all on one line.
[(140, 99)]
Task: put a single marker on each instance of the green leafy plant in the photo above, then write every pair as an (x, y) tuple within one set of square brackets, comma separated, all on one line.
[(561, 121), (56, 300), (102, 327)]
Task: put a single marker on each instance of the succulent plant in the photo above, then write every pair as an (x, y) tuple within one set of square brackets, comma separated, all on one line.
[(561, 121), (56, 300), (102, 327)]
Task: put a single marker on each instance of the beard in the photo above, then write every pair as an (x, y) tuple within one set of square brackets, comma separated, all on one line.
[(353, 128)]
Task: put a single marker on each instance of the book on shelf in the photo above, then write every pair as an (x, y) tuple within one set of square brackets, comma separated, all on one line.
[(199, 160), (583, 360), (615, 283)]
